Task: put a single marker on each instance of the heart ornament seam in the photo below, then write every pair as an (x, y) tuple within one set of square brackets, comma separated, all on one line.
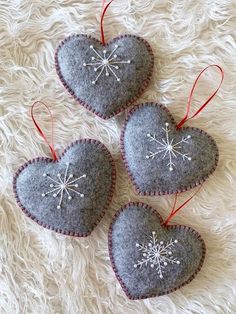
[(152, 285), (140, 123), (92, 94), (71, 188)]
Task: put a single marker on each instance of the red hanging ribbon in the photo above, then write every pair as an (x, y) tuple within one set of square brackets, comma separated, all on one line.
[(51, 146), (186, 117), (174, 211), (104, 9)]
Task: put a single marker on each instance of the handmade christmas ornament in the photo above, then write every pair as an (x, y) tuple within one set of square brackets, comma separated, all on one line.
[(68, 194), (163, 157), (150, 257), (104, 77)]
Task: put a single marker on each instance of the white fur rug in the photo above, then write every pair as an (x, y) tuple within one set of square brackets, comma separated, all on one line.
[(42, 272)]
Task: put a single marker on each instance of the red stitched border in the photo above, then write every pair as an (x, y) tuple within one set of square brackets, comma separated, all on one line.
[(156, 193), (180, 227), (49, 160), (88, 106)]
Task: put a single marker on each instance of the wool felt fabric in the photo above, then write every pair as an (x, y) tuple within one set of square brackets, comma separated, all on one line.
[(87, 168), (44, 272), (150, 259), (104, 79), (162, 159)]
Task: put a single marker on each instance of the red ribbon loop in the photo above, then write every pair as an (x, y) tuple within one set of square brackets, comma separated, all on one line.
[(186, 117), (174, 211), (104, 9), (51, 146)]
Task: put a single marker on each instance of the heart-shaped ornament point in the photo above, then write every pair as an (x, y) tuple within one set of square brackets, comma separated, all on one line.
[(104, 79), (69, 195), (150, 259), (161, 159)]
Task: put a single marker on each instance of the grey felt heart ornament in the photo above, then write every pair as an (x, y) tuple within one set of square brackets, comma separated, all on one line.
[(68, 195), (149, 258), (104, 78), (162, 159)]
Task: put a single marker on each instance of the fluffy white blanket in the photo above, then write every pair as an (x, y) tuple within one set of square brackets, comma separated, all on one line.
[(43, 272)]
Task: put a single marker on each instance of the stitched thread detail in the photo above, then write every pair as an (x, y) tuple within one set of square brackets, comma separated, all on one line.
[(180, 227), (168, 147), (109, 197), (156, 254), (88, 106), (108, 63), (63, 185), (130, 174)]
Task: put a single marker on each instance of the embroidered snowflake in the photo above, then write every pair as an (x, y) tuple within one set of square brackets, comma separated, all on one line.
[(168, 148), (63, 185), (157, 254), (103, 63)]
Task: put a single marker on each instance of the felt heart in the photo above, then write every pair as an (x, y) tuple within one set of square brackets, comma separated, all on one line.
[(150, 259), (161, 159), (70, 195), (104, 79)]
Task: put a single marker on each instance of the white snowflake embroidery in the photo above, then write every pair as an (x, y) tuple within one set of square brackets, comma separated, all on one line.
[(64, 185), (168, 148), (109, 63), (157, 254)]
